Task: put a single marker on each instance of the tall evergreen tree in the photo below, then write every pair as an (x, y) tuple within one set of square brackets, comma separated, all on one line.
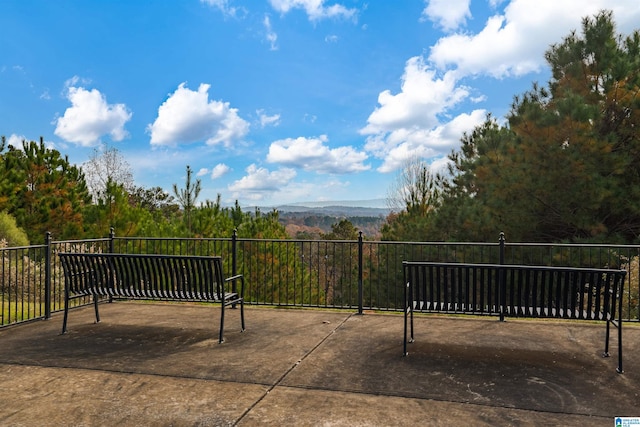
[(565, 166), (188, 196), (43, 191)]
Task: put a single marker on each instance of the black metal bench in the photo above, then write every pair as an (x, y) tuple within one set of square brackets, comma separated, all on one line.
[(150, 277), (515, 291)]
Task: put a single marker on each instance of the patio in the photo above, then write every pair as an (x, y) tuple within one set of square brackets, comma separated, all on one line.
[(160, 364)]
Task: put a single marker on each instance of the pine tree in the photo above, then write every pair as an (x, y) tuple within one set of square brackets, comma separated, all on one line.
[(43, 191), (565, 166)]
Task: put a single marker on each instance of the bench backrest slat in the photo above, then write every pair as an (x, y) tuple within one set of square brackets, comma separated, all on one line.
[(144, 276), (514, 290)]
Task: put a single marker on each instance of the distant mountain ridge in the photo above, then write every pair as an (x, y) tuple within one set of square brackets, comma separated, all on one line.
[(372, 203), (312, 219), (335, 211), (342, 208)]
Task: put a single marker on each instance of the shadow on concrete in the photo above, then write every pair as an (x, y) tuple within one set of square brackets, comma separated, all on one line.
[(161, 364)]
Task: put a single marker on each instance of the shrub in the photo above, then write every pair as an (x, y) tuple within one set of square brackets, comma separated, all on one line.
[(10, 232)]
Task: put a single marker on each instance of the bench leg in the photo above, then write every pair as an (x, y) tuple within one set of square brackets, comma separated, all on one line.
[(221, 338), (618, 325), (411, 339), (233, 304), (404, 348), (606, 341), (242, 315), (66, 313), (408, 312), (95, 305), (619, 369)]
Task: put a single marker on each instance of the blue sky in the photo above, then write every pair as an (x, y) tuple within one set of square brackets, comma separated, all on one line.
[(273, 101)]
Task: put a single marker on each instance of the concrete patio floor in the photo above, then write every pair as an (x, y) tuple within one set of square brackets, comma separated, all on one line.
[(150, 364)]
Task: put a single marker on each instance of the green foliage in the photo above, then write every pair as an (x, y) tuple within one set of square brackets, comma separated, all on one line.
[(42, 190), (155, 200), (10, 233), (630, 302), (485, 194), (188, 196), (342, 230), (116, 208), (213, 220), (259, 225)]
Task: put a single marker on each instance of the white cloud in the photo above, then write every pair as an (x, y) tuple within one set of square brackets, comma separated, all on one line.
[(16, 140), (259, 182), (279, 187), (423, 96), (397, 146), (296, 191), (315, 9), (440, 166), (225, 7), (448, 14), (311, 154), (513, 43), (90, 117), (188, 116), (410, 123), (272, 36), (266, 120), (219, 170), (202, 172)]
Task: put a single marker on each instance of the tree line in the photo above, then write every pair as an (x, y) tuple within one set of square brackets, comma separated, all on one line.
[(40, 191)]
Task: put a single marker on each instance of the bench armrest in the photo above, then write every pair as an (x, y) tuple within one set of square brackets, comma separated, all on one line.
[(233, 280)]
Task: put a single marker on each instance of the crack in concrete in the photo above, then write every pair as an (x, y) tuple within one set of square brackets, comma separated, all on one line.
[(288, 371)]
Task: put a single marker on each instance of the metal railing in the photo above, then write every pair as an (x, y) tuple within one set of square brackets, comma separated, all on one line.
[(346, 274), (23, 284)]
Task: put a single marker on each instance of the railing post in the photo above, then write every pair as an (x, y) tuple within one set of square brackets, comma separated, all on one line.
[(47, 276), (502, 288), (360, 273), (234, 262), (112, 238), (112, 250), (234, 253)]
